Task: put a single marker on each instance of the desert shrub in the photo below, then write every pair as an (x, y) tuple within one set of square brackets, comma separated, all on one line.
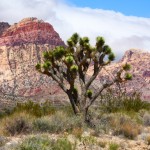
[(64, 144), (102, 143), (112, 103), (35, 109), (127, 127), (53, 124), (59, 122), (113, 146), (135, 104), (18, 123), (89, 140), (146, 119), (44, 143), (117, 123), (104, 124), (42, 124), (74, 122), (129, 130), (35, 143), (77, 132), (109, 103), (5, 112), (3, 141), (67, 109)]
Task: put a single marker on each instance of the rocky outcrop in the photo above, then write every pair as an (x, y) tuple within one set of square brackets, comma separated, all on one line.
[(30, 30), (140, 62), (140, 69), (3, 27)]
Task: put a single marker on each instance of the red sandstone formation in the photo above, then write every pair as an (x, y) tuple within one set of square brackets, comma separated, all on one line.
[(21, 47), (30, 30)]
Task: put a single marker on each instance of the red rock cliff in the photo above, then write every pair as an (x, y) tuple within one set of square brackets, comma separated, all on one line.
[(30, 30), (21, 47)]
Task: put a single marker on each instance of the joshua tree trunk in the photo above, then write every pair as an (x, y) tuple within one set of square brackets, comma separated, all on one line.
[(73, 102)]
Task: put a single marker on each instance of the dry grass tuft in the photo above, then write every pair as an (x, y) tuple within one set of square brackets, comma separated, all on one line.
[(18, 123)]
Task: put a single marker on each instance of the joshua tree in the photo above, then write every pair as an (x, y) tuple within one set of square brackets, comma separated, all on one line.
[(68, 66)]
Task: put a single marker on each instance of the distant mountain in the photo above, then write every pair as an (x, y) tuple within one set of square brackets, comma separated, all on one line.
[(140, 69), (140, 62)]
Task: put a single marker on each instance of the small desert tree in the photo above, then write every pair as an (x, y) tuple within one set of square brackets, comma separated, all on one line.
[(68, 66)]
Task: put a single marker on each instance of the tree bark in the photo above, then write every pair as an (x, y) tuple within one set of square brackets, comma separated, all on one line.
[(75, 108), (85, 113)]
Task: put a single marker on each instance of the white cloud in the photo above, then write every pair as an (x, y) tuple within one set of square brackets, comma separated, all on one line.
[(121, 32)]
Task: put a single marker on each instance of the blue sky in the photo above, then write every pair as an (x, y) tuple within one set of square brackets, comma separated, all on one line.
[(139, 8)]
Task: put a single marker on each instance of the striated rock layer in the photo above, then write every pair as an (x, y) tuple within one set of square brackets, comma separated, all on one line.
[(21, 47)]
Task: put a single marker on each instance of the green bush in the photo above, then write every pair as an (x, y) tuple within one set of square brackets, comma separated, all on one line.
[(44, 143), (42, 124), (35, 109), (5, 112), (111, 103), (89, 140), (64, 144), (35, 143), (67, 109), (135, 104), (59, 122), (113, 146)]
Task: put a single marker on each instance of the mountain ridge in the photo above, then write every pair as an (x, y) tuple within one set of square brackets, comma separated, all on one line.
[(30, 30)]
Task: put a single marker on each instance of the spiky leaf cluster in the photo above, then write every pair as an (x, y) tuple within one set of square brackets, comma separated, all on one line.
[(69, 60), (128, 76), (74, 68), (126, 67), (59, 52), (77, 56), (89, 93)]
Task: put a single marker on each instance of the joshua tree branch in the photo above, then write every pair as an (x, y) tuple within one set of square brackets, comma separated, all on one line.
[(104, 86)]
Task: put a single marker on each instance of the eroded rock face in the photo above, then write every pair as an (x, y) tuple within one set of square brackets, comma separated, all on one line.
[(140, 69), (140, 62), (3, 27), (21, 47), (30, 30)]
